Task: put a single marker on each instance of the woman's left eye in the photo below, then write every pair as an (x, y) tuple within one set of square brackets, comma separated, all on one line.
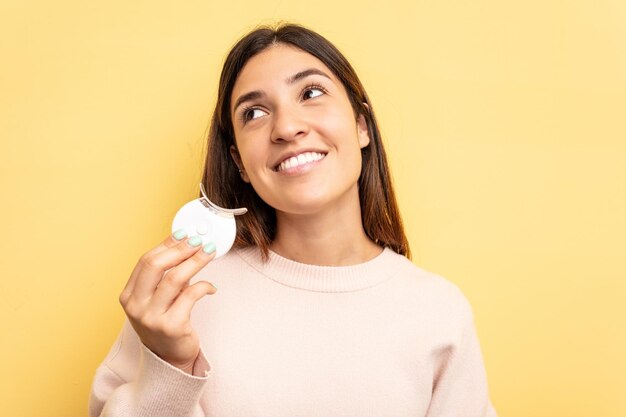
[(313, 92)]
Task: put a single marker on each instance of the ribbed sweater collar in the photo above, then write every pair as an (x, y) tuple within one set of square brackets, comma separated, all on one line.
[(323, 278)]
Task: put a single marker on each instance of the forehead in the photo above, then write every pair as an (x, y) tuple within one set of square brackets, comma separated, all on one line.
[(275, 65)]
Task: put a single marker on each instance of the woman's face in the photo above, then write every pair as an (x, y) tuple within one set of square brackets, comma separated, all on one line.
[(298, 140)]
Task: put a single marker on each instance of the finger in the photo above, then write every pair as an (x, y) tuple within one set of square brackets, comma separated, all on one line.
[(177, 278), (180, 310), (171, 241), (151, 268)]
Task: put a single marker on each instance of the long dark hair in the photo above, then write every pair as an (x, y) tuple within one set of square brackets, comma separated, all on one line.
[(224, 186)]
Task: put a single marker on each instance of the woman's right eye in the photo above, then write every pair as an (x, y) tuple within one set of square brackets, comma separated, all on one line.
[(252, 113)]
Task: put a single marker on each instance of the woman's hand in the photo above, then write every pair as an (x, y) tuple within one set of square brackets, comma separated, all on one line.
[(158, 298)]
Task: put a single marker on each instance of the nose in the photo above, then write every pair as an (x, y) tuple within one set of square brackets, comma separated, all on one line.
[(289, 124)]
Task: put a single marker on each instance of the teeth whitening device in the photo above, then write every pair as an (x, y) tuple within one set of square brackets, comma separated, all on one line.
[(201, 217)]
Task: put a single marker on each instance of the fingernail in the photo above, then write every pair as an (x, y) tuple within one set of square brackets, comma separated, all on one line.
[(209, 248), (180, 234), (214, 286), (195, 241)]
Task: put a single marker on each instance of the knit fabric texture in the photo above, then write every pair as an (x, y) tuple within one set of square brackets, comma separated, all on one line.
[(280, 338)]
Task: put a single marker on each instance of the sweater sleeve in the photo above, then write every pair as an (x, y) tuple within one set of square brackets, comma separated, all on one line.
[(133, 381), (460, 381)]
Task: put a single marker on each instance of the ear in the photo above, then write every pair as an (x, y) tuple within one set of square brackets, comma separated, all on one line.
[(362, 131), (234, 153)]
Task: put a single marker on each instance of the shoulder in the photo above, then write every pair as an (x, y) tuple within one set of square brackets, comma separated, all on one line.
[(431, 291)]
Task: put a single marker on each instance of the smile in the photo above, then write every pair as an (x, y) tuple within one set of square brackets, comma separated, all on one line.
[(301, 159)]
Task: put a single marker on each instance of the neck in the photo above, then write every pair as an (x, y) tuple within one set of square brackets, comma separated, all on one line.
[(333, 237)]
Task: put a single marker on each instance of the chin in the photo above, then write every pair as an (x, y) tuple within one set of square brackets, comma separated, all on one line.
[(311, 197), (301, 207), (302, 204)]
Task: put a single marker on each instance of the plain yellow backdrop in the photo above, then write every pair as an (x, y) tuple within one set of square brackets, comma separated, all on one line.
[(505, 126)]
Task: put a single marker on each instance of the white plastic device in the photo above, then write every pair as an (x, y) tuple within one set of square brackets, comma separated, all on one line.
[(201, 217)]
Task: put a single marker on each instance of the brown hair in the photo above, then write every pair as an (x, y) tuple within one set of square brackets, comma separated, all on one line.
[(224, 186)]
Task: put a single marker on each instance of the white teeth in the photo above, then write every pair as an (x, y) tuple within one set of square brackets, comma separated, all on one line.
[(303, 158)]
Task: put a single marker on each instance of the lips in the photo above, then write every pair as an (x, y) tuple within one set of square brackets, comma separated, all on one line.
[(299, 159)]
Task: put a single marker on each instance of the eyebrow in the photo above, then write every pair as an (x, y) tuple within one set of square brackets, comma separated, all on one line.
[(306, 73), (254, 95)]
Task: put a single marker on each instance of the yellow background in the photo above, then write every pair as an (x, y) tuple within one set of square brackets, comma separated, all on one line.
[(505, 125)]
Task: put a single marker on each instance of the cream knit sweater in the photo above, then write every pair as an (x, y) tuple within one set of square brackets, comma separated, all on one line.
[(283, 339)]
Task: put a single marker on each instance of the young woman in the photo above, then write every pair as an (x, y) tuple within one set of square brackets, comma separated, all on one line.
[(319, 312)]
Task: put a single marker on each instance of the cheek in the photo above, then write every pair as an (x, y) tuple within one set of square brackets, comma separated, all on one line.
[(336, 123), (251, 150), (341, 133)]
